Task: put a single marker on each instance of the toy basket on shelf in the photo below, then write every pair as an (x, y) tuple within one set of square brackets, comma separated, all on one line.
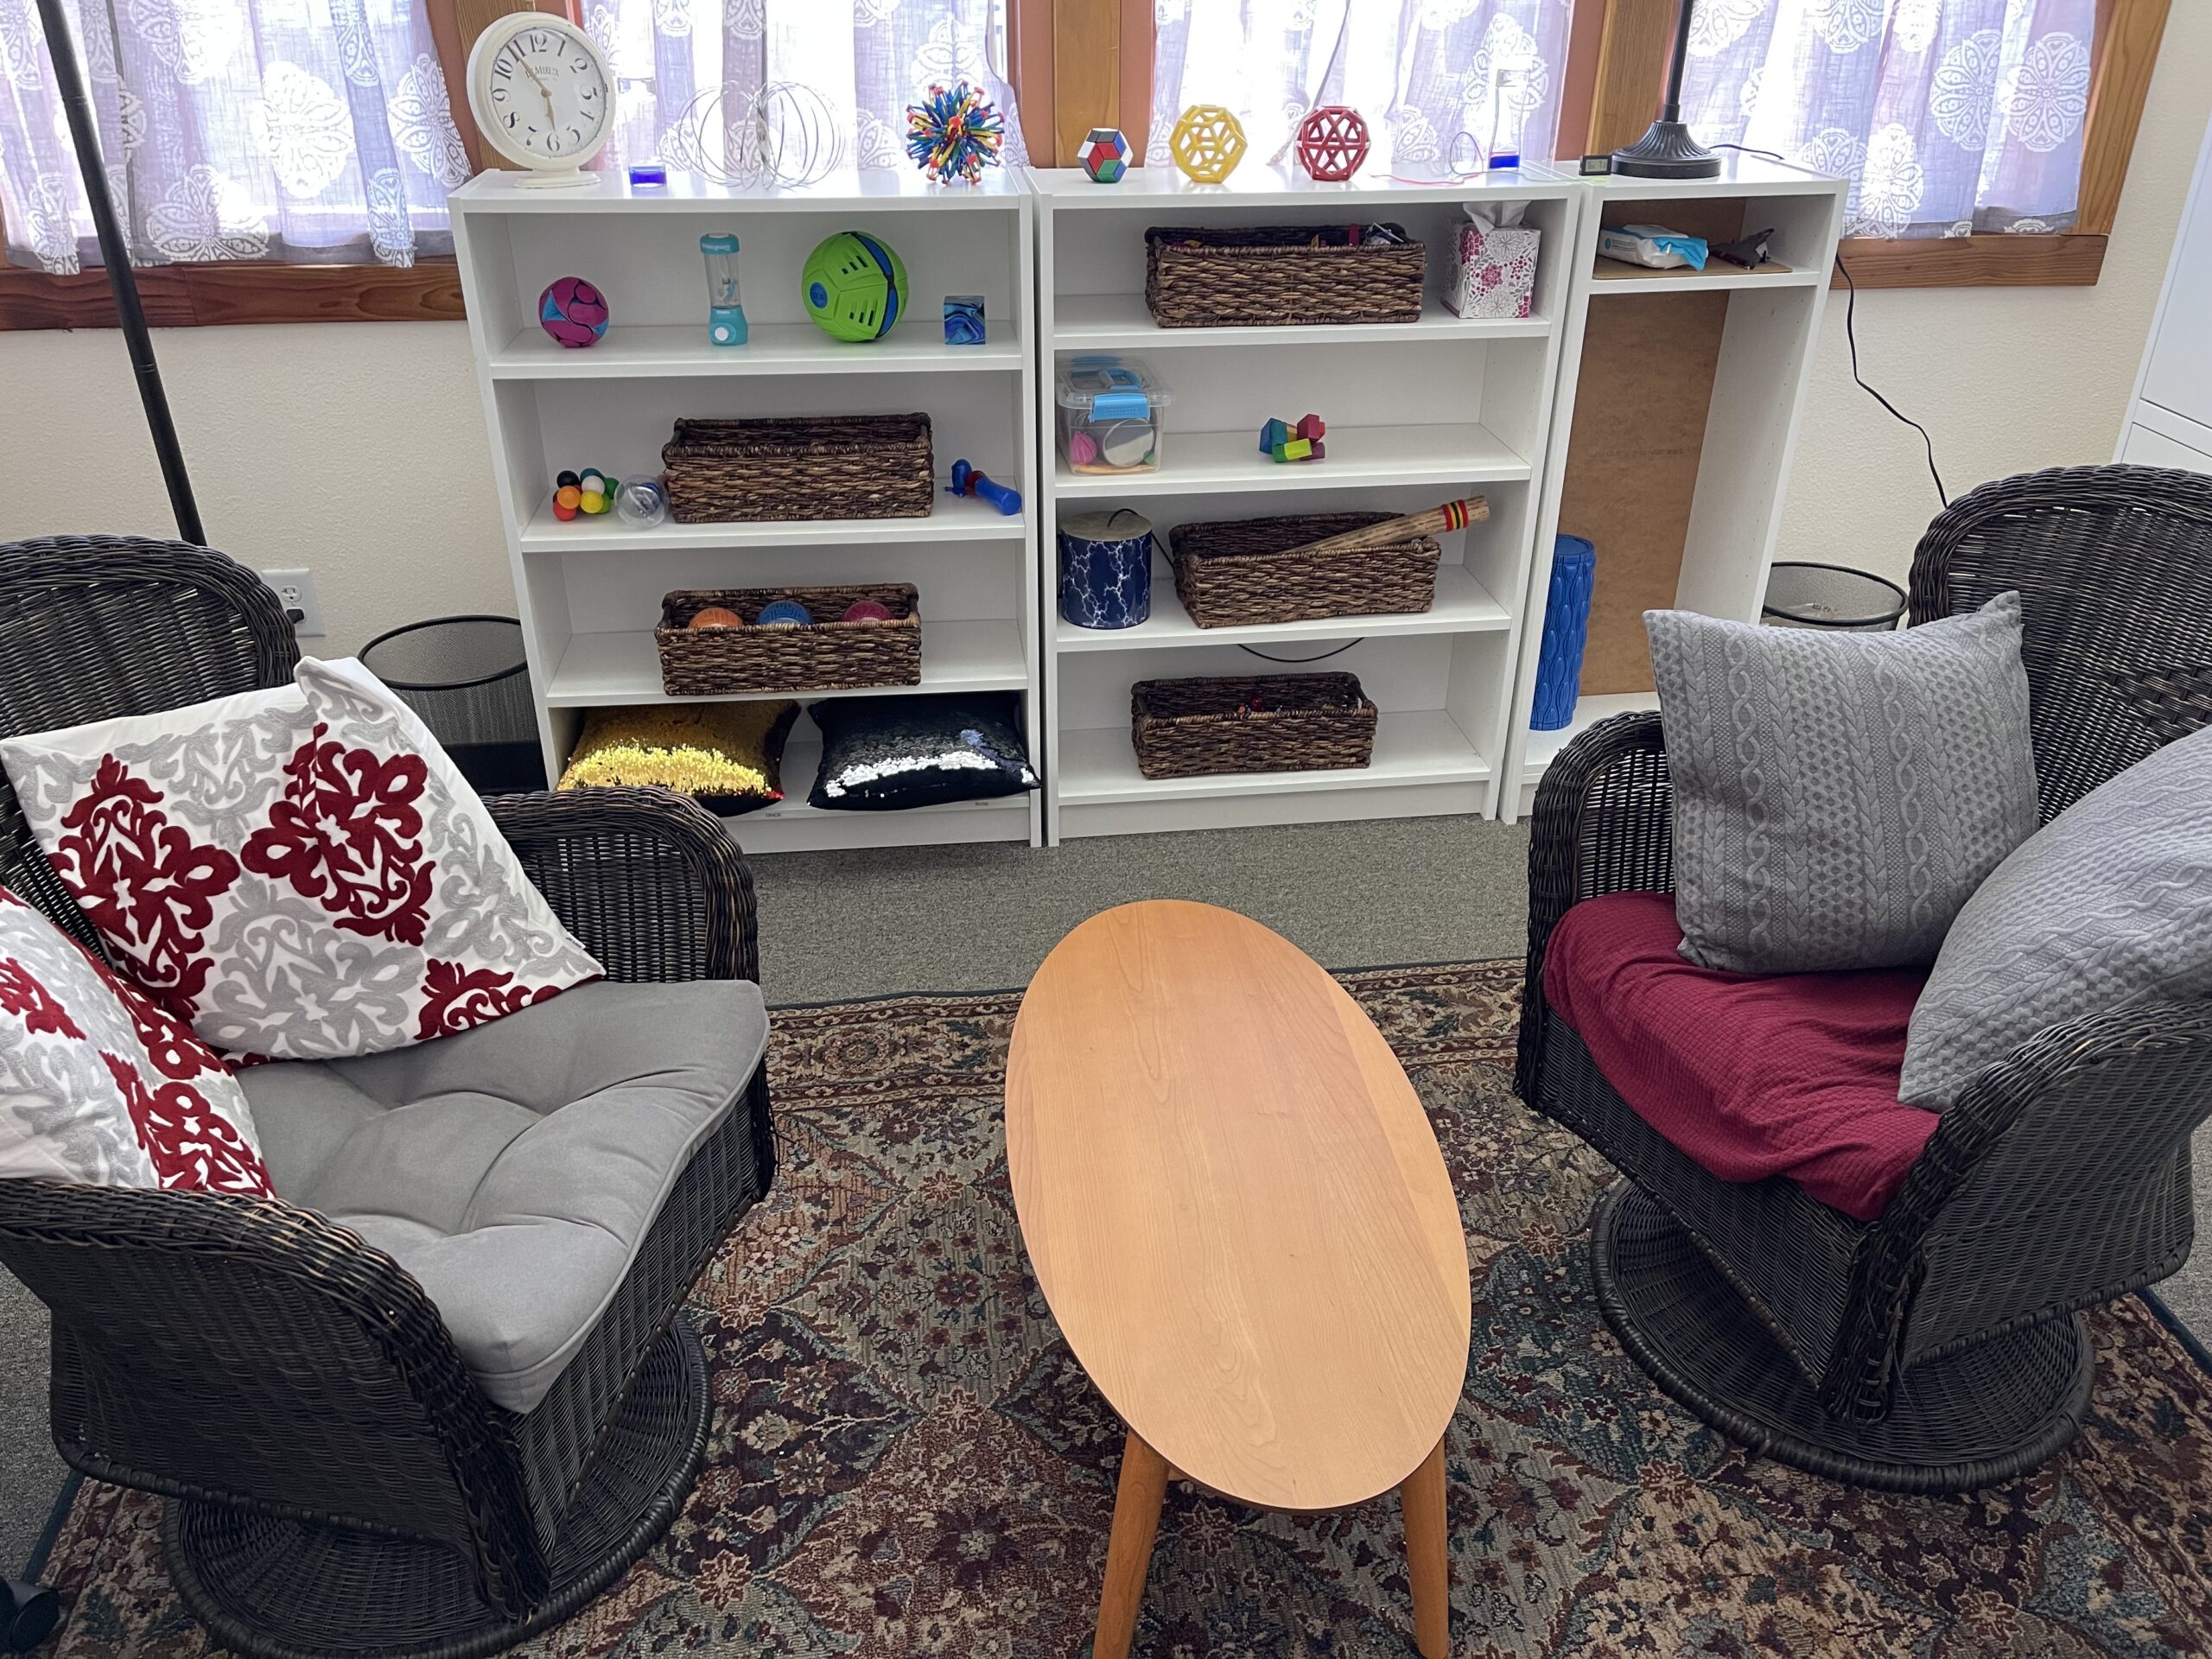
[(1238, 572), (1268, 723), (827, 655), (1284, 274), (801, 467)]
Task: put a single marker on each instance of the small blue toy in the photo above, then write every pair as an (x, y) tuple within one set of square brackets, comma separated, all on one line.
[(963, 320), (725, 304), (784, 613), (967, 480)]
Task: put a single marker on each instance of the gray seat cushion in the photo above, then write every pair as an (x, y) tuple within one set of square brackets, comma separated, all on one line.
[(514, 1169)]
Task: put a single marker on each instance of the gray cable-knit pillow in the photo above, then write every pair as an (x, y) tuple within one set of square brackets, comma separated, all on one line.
[(2109, 903), (1839, 795)]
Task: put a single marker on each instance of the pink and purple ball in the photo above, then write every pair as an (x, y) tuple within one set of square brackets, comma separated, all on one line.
[(572, 311)]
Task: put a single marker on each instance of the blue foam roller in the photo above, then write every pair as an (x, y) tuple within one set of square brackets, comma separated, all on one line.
[(1567, 630)]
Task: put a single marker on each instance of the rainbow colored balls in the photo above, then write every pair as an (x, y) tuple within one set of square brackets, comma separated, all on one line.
[(572, 311)]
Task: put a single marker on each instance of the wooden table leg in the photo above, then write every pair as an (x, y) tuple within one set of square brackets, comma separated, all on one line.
[(1428, 1556), (1129, 1552)]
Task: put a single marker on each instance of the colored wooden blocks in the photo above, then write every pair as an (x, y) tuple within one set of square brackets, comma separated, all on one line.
[(1285, 441)]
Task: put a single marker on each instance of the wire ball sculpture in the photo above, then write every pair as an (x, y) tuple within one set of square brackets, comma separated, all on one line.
[(785, 134)]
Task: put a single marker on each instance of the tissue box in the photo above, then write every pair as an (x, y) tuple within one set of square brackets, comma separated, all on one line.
[(1497, 271)]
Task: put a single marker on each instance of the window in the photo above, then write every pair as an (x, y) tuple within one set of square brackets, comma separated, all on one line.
[(1430, 68), (1954, 117), (319, 131)]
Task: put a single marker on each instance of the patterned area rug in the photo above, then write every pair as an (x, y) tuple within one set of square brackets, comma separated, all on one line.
[(906, 1460)]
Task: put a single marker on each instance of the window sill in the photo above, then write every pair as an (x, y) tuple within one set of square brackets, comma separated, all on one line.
[(2068, 260), (236, 291)]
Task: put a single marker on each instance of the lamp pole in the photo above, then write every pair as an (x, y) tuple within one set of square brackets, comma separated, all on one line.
[(83, 132), (1667, 150)]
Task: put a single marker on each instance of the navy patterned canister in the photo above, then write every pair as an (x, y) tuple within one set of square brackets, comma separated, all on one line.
[(1106, 568)]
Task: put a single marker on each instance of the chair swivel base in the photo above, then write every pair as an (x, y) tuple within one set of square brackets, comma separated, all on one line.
[(278, 1589), (1971, 1420)]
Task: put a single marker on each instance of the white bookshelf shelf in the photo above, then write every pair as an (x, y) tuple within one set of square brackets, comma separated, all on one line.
[(649, 350), (585, 588), (958, 518), (1358, 458), (1113, 322), (1541, 749), (1616, 276), (616, 668), (1099, 767), (1418, 413), (1463, 606)]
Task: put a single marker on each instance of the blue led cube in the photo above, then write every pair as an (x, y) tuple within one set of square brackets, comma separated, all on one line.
[(963, 320)]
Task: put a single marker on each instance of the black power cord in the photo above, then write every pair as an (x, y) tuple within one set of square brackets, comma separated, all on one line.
[(1323, 658), (1850, 340)]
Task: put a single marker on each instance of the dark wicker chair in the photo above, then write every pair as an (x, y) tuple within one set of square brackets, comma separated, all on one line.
[(1940, 1347), (338, 1483)]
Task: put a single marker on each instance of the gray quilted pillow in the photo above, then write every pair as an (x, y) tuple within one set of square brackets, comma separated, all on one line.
[(2110, 904), (1839, 795)]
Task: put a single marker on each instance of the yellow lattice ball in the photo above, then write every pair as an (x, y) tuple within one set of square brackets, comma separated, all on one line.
[(1208, 142)]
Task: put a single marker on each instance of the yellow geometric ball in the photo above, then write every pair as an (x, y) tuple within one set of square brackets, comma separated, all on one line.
[(1208, 142)]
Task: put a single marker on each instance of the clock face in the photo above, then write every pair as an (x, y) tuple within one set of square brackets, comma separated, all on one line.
[(548, 97)]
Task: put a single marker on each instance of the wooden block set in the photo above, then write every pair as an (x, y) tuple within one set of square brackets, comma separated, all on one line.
[(1285, 441)]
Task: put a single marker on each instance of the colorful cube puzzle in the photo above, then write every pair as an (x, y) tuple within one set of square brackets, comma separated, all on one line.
[(963, 320), (1104, 156)]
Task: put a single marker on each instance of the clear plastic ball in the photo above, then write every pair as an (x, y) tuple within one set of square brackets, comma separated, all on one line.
[(641, 503)]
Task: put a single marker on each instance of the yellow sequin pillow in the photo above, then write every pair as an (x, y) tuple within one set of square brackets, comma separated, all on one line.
[(727, 756)]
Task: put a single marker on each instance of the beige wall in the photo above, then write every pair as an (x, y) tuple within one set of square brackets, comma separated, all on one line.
[(359, 449)]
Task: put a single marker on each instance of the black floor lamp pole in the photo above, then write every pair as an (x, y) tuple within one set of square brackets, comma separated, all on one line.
[(84, 131), (1667, 150)]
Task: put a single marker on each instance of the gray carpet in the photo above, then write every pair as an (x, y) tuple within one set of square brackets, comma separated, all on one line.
[(836, 925)]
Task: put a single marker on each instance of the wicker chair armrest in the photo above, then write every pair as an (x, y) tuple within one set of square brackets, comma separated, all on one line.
[(648, 879), (1603, 822), (241, 1350), (2059, 1180)]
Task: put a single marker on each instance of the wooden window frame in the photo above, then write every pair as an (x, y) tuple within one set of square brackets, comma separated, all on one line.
[(1085, 63), (1616, 62)]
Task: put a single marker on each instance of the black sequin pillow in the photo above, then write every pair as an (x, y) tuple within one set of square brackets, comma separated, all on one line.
[(879, 754)]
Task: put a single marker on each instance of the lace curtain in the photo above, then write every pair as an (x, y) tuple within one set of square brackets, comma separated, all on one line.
[(319, 131), (1422, 71), (1953, 115)]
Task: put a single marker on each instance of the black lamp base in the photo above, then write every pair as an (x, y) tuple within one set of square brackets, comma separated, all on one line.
[(1667, 151)]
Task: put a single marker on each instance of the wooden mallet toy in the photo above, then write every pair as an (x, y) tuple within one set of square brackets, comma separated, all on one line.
[(1452, 515)]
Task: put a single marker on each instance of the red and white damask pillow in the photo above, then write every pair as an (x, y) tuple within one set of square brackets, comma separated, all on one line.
[(97, 1084), (301, 874)]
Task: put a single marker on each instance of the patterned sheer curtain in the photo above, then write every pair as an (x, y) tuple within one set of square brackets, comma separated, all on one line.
[(1954, 116), (319, 131), (1425, 72)]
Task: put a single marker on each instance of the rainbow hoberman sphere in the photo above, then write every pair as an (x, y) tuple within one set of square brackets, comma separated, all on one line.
[(854, 287), (572, 311)]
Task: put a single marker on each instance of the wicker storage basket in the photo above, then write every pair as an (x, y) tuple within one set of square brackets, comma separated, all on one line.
[(1267, 722), (824, 656), (1278, 275), (1235, 572), (806, 467)]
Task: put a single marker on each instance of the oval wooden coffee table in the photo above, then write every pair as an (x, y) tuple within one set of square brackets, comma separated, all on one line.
[(1240, 1217)]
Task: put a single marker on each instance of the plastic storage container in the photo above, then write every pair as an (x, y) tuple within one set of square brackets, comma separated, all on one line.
[(1110, 414)]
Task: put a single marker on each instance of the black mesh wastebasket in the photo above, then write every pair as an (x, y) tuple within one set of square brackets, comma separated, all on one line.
[(468, 679), (1800, 594)]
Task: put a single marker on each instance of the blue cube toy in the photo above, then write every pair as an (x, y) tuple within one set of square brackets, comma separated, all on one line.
[(1275, 433), (963, 320)]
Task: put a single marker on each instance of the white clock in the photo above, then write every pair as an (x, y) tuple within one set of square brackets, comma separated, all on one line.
[(543, 96)]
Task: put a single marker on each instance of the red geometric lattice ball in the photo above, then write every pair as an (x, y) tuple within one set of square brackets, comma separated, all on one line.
[(1333, 143)]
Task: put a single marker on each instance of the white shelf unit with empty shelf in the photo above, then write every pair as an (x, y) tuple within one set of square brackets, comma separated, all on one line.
[(590, 589), (1418, 413), (1680, 397)]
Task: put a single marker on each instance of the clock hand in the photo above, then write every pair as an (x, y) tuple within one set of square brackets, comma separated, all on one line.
[(542, 90)]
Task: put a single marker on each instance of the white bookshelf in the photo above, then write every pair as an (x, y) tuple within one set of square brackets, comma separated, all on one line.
[(1759, 381), (1418, 413), (590, 590)]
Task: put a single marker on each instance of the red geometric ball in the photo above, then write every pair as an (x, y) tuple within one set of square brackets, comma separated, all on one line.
[(1333, 143)]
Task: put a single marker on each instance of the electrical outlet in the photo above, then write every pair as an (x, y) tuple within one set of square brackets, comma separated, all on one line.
[(296, 589)]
